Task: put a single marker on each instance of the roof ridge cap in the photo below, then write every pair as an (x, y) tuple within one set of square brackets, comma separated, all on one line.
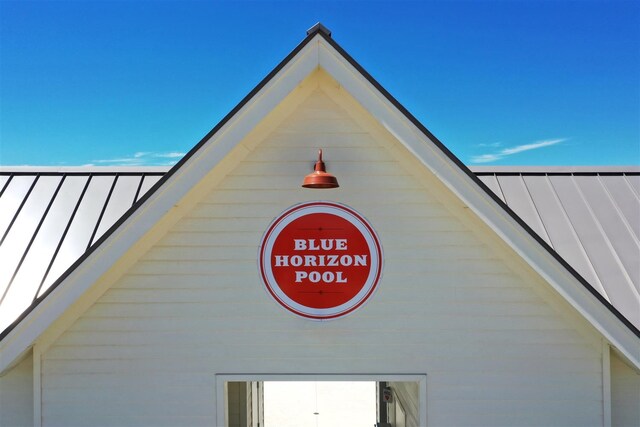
[(319, 28)]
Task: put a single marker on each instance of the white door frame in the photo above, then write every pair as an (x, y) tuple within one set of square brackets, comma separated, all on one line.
[(421, 379)]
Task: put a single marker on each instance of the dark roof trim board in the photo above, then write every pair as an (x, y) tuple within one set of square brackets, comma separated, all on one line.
[(320, 32)]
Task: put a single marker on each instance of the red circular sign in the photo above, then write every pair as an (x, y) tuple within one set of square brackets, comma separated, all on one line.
[(320, 260)]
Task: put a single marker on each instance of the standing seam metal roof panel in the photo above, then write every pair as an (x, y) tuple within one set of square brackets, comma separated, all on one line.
[(121, 200), (4, 179), (625, 199), (612, 225), (516, 196), (32, 272), (564, 238), (603, 258), (591, 217), (148, 181), (634, 182), (12, 198), (47, 219), (491, 181)]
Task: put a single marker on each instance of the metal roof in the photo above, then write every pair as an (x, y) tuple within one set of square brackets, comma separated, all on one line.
[(49, 217), (590, 218), (48, 220)]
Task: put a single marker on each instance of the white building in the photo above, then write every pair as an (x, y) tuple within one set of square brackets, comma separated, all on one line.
[(135, 297)]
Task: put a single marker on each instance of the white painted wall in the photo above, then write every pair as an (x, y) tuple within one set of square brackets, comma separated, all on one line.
[(16, 395), (498, 347), (625, 394)]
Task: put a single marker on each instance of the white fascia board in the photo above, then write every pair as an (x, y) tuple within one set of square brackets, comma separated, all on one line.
[(162, 202), (478, 200)]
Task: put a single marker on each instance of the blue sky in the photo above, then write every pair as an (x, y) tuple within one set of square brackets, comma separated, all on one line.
[(498, 82)]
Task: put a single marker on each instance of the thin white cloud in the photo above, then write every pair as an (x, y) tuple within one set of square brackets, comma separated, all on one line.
[(486, 158), (491, 144), (143, 158), (535, 145), (119, 160), (172, 155), (492, 157)]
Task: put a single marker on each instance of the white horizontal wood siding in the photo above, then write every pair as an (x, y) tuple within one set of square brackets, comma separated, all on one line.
[(625, 394), (498, 347), (16, 395)]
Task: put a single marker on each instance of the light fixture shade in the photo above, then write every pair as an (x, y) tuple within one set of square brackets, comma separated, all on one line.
[(319, 178)]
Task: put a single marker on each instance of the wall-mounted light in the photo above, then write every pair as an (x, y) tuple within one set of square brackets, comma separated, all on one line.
[(319, 178)]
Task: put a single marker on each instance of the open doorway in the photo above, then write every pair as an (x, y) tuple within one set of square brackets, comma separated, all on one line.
[(319, 403), (321, 400)]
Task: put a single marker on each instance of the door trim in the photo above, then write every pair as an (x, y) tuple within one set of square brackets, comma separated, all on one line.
[(221, 379)]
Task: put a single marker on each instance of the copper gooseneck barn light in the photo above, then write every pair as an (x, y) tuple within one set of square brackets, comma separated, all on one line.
[(319, 178)]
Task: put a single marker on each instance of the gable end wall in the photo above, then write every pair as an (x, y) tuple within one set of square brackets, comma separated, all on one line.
[(497, 346)]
